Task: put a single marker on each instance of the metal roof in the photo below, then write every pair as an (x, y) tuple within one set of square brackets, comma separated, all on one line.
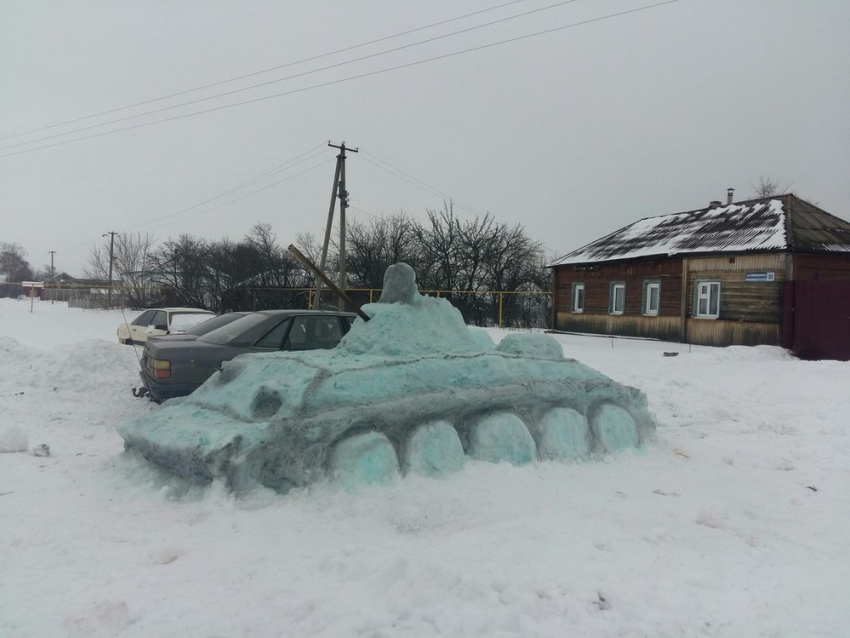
[(781, 223)]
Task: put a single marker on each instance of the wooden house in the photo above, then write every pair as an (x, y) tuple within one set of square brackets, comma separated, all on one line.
[(774, 270)]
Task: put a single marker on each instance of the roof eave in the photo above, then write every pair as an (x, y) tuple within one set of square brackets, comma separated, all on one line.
[(678, 255)]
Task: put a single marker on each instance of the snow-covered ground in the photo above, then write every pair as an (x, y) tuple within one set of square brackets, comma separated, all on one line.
[(736, 523)]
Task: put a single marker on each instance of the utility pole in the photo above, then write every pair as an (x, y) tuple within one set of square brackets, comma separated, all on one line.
[(111, 234), (318, 292), (52, 278), (343, 205)]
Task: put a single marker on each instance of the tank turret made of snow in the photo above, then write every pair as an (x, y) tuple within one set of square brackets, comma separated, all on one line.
[(412, 390)]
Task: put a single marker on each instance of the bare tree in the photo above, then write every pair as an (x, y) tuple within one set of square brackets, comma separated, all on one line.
[(377, 244), (13, 263), (766, 187), (232, 269), (308, 244), (516, 263), (279, 268), (263, 240), (469, 260), (439, 242), (181, 266), (470, 257), (131, 262)]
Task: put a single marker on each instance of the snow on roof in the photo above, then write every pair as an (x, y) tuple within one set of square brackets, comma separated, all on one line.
[(749, 226)]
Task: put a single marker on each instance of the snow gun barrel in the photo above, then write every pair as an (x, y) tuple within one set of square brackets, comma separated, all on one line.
[(333, 287)]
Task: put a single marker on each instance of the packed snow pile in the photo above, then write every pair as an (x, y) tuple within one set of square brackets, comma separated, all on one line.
[(13, 439), (411, 390)]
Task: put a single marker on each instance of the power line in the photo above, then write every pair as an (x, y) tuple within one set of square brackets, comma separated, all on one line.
[(421, 186), (350, 78), (269, 70), (312, 154), (365, 212), (283, 79), (236, 199), (416, 182), (288, 164)]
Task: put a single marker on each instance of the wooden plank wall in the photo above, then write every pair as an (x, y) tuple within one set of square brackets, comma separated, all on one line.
[(741, 300), (708, 332), (666, 328)]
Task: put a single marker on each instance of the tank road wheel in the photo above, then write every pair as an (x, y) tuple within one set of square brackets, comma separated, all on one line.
[(615, 428), (364, 459), (434, 449), (502, 436), (563, 434)]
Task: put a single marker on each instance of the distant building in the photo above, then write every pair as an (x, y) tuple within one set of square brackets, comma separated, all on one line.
[(774, 270)]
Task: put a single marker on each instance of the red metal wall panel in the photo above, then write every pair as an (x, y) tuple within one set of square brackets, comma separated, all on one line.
[(787, 327), (822, 320)]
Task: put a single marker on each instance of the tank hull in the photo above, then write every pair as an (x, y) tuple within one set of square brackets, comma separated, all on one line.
[(286, 432)]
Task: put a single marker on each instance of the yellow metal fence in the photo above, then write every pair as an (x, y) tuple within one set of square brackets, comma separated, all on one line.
[(374, 294), (253, 298)]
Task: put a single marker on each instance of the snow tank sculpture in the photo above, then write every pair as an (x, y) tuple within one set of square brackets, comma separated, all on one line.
[(412, 390)]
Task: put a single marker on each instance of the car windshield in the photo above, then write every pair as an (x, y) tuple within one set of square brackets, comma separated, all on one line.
[(212, 324), (225, 334), (182, 321)]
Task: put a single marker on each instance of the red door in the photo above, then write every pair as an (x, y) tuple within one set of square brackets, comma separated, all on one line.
[(816, 319)]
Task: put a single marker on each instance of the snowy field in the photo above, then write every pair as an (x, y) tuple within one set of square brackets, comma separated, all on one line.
[(736, 523)]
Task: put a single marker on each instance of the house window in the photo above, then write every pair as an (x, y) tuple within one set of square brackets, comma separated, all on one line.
[(617, 304), (651, 297), (578, 298), (707, 299)]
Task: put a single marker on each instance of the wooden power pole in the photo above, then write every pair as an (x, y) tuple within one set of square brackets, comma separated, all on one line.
[(340, 192), (323, 262), (111, 234), (52, 278)]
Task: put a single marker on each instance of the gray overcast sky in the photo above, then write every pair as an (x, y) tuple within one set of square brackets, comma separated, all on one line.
[(573, 133)]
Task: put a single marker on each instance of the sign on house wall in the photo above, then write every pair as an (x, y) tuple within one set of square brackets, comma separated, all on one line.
[(761, 276)]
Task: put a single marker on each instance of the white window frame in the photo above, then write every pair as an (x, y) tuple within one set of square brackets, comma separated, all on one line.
[(575, 298), (647, 301), (706, 292), (614, 287)]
